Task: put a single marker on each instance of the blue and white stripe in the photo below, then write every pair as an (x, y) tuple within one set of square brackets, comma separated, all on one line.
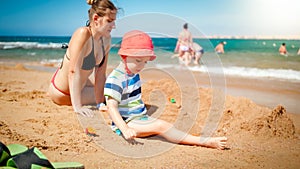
[(127, 91)]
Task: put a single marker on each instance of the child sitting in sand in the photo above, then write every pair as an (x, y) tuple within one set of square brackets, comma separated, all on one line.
[(123, 97)]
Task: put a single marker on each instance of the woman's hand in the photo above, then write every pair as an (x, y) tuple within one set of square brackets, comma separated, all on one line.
[(84, 111)]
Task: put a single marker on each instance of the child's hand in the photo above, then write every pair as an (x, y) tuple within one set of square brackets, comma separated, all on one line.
[(129, 134)]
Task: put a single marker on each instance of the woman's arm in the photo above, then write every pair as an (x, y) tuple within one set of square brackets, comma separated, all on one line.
[(180, 38), (190, 40), (77, 48), (100, 75), (114, 113)]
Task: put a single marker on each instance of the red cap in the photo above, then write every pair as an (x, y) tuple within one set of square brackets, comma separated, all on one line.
[(138, 44)]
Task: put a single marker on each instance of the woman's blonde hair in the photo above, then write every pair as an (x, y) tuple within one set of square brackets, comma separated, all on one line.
[(100, 7)]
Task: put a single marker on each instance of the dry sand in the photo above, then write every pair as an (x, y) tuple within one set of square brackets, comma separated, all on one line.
[(259, 136)]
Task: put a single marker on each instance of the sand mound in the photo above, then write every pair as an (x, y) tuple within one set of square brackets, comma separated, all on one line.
[(49, 64), (275, 123), (20, 67), (241, 116)]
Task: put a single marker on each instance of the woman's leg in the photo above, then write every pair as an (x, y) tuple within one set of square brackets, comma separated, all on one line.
[(169, 132), (87, 96), (58, 97), (88, 91)]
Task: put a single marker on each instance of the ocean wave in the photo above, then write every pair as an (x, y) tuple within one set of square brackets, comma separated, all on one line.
[(29, 45), (46, 61), (286, 74), (250, 72)]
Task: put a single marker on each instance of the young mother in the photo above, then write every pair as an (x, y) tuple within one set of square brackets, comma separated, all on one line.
[(82, 74)]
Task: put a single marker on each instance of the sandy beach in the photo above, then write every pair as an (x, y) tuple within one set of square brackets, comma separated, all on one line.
[(260, 117)]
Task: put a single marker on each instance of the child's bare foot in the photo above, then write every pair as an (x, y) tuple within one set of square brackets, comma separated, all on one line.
[(214, 142)]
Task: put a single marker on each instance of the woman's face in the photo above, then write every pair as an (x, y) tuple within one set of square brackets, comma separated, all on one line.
[(107, 23)]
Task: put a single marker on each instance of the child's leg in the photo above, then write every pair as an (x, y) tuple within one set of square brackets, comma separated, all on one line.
[(197, 58), (169, 132), (187, 58)]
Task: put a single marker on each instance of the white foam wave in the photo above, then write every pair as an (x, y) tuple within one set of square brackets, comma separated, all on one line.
[(51, 61), (29, 45), (284, 74)]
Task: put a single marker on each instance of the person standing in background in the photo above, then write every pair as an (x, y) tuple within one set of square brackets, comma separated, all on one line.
[(220, 47), (197, 53), (282, 49), (184, 44)]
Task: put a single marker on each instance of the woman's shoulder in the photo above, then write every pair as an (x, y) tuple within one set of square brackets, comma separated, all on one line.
[(83, 31), (80, 36)]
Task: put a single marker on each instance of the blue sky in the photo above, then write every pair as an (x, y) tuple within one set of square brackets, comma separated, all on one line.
[(205, 17)]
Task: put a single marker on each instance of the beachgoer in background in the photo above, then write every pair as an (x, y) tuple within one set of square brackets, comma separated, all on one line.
[(81, 77), (184, 45), (298, 53), (176, 50), (123, 91), (282, 49), (220, 47), (197, 53)]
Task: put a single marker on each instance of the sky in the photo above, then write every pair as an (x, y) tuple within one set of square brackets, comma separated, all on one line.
[(205, 17)]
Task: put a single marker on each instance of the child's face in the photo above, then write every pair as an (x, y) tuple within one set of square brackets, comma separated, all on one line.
[(136, 64)]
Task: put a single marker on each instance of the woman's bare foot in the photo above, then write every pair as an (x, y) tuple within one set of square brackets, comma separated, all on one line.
[(214, 142)]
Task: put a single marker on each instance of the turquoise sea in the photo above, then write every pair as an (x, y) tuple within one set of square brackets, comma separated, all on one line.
[(252, 58)]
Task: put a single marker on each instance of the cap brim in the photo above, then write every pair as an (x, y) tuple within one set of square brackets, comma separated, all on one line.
[(137, 53)]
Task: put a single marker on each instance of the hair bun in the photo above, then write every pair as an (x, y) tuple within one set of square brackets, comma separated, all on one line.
[(91, 2)]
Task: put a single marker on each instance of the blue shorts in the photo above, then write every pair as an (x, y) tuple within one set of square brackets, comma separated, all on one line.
[(143, 117)]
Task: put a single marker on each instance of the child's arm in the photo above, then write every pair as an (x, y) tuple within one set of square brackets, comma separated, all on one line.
[(114, 113)]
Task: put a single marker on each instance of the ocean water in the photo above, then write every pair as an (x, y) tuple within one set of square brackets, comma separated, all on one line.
[(253, 58)]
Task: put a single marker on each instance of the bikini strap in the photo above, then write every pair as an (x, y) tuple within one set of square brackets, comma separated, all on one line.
[(103, 52)]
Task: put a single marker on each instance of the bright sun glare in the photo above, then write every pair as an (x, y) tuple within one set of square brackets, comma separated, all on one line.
[(277, 15), (273, 17)]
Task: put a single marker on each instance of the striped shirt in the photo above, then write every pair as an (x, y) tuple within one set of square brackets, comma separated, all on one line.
[(126, 89)]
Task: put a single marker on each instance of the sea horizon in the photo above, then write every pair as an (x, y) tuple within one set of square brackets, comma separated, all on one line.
[(258, 37)]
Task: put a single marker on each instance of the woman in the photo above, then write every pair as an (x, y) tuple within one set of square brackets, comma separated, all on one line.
[(185, 41), (220, 48), (81, 76), (282, 49)]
